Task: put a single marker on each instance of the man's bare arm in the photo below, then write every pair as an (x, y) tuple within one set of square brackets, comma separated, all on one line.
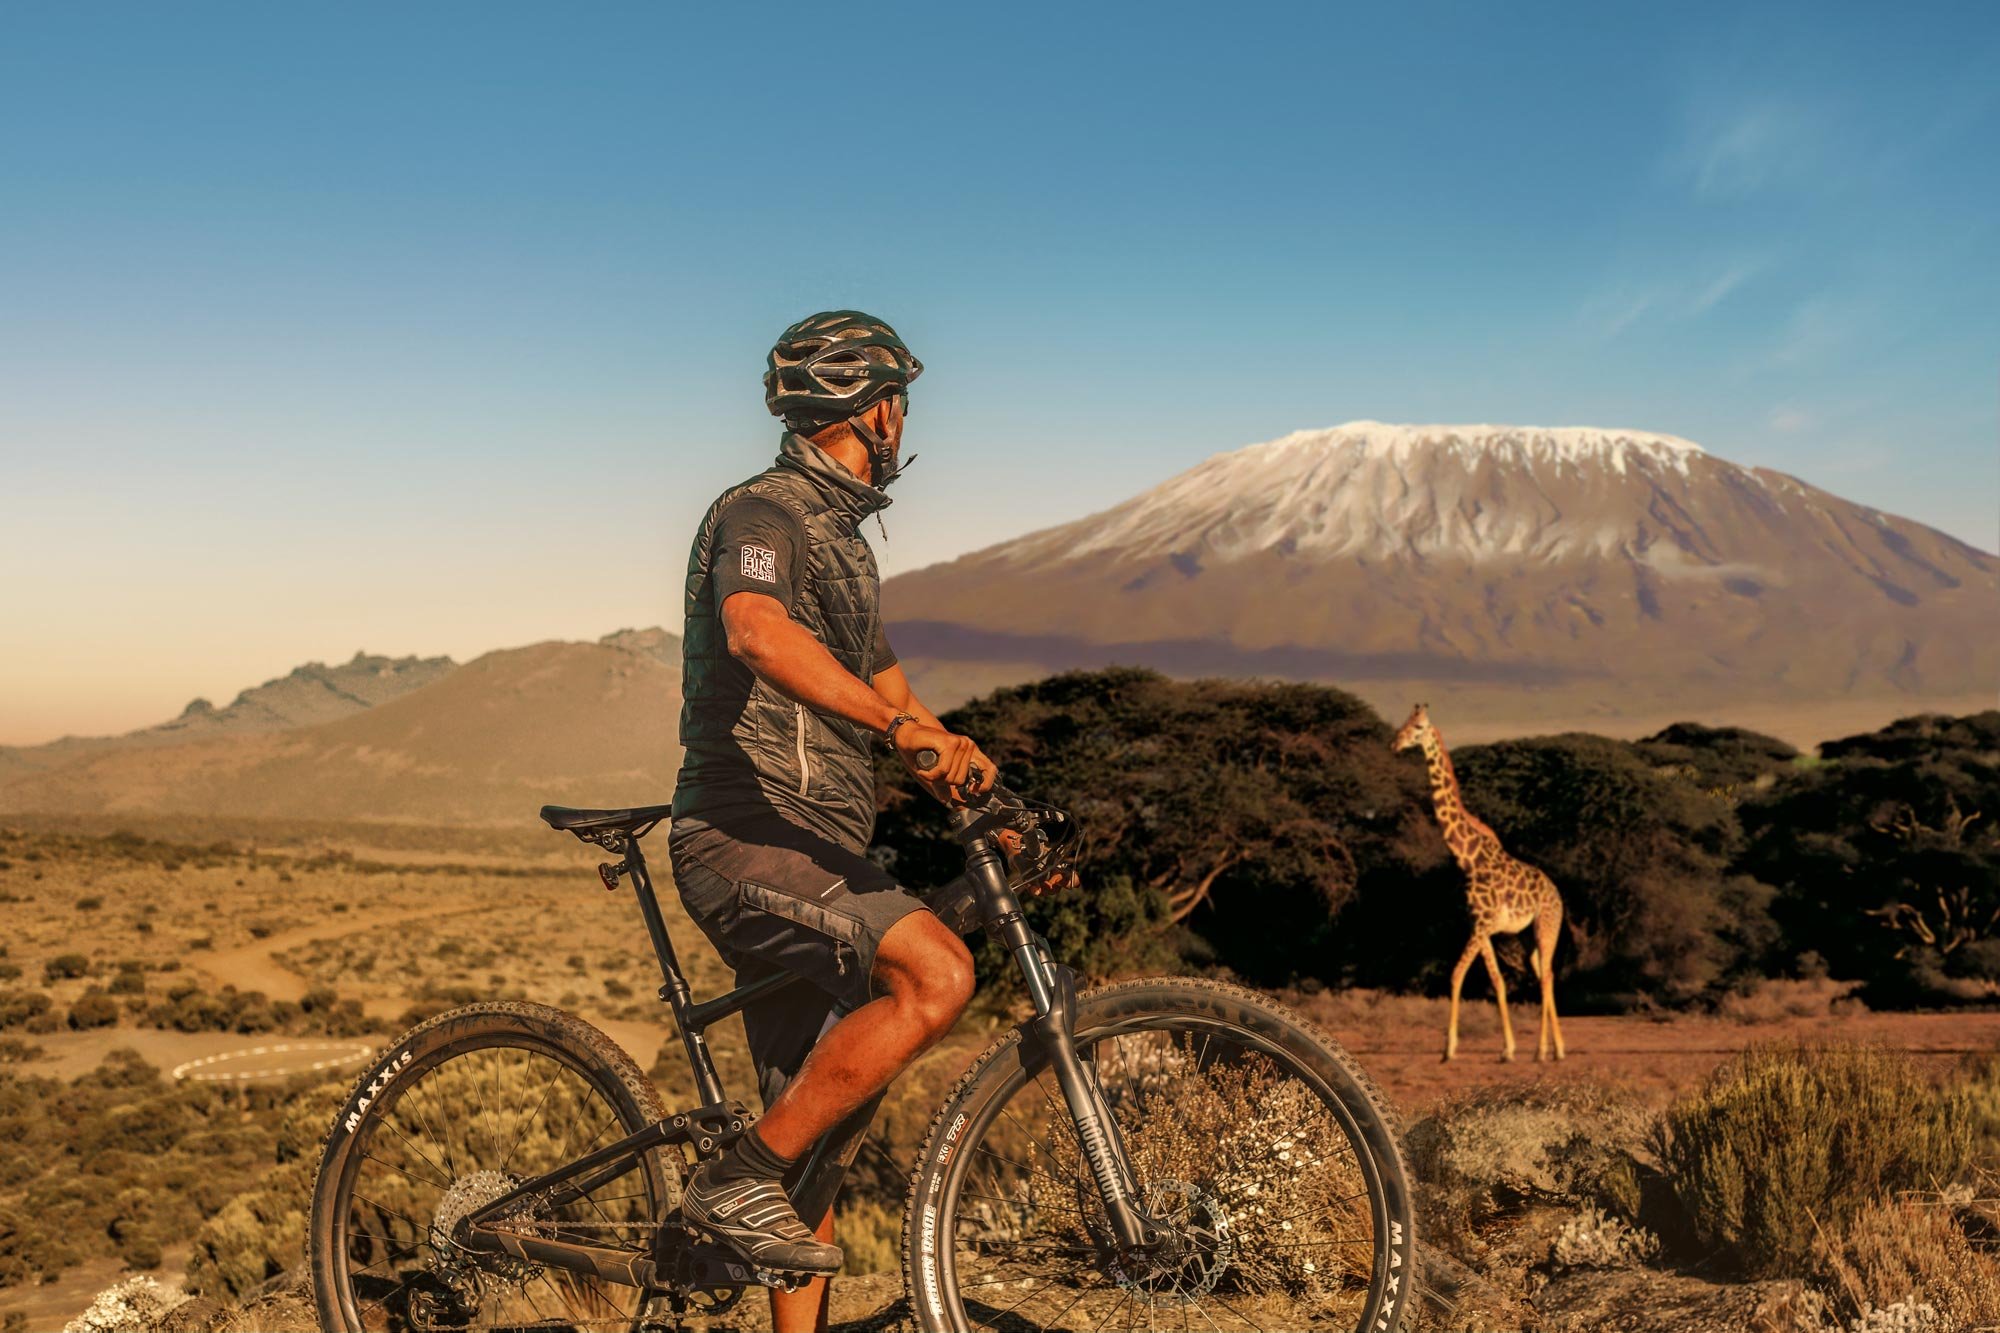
[(764, 637), (893, 685), (785, 654)]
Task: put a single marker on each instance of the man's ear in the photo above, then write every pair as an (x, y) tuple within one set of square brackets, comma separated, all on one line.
[(881, 416)]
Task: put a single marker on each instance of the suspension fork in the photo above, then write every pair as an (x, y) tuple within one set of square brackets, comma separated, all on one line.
[(1052, 989)]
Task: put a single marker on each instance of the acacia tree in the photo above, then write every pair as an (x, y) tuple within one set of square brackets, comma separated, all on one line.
[(1886, 859), (1246, 815)]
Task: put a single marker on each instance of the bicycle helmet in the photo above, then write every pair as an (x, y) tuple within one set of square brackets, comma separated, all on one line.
[(834, 366)]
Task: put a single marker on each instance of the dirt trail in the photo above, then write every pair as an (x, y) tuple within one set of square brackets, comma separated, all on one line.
[(255, 966)]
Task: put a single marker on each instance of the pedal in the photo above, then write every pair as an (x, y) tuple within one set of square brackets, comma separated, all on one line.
[(781, 1281), (714, 1259), (735, 1270)]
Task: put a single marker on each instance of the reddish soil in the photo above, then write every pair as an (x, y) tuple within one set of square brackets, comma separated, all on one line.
[(1400, 1041)]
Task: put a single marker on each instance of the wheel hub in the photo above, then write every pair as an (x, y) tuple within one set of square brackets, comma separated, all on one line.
[(1192, 1256)]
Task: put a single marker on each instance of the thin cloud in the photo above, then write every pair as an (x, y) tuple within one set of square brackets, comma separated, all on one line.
[(1716, 292), (1735, 149), (1818, 329), (1615, 309), (1790, 420)]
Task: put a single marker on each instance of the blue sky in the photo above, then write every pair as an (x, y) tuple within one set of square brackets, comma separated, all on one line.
[(434, 328)]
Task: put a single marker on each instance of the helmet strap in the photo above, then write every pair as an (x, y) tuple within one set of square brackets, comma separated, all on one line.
[(882, 468)]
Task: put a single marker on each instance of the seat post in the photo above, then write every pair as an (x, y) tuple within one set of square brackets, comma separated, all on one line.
[(675, 990)]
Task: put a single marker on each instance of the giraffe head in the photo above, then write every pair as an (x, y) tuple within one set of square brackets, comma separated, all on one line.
[(1416, 731)]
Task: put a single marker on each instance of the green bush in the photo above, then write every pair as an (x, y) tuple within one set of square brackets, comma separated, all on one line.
[(1788, 1143), (19, 1008), (255, 1237), (1886, 859), (93, 1009), (65, 966)]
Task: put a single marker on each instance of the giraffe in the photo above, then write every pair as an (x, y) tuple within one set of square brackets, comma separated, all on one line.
[(1505, 895)]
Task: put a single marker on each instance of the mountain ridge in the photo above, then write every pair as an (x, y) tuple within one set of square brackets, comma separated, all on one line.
[(486, 743), (1640, 560)]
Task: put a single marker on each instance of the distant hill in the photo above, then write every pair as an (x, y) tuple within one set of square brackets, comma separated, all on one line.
[(1517, 571), (654, 642), (486, 743), (309, 694)]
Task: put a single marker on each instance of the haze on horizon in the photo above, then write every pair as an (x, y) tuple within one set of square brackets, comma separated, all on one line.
[(434, 330)]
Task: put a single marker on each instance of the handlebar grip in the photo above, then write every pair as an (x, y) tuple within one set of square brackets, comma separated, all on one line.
[(928, 758)]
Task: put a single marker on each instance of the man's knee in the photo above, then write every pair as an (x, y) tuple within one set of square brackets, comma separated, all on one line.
[(924, 965)]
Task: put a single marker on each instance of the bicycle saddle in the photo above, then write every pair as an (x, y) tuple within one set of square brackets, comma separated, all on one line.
[(634, 820)]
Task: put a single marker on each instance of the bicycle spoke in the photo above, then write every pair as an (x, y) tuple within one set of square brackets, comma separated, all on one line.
[(515, 1146), (409, 1098), (1211, 1128), (383, 1161), (391, 1126)]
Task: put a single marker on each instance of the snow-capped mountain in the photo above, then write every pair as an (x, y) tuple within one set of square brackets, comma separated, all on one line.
[(1589, 559)]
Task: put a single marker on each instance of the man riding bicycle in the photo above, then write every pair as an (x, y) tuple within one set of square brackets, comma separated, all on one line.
[(788, 681)]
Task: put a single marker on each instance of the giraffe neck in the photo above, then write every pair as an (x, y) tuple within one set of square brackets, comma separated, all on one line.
[(1444, 781), (1461, 835)]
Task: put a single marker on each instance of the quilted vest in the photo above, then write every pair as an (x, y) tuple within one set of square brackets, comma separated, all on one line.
[(747, 747)]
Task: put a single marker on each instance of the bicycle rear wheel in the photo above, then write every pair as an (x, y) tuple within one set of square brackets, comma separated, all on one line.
[(459, 1111), (1264, 1149)]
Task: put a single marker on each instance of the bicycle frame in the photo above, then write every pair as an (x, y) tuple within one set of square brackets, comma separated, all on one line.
[(719, 1120)]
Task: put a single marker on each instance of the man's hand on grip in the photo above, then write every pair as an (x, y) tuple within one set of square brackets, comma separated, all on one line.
[(950, 779)]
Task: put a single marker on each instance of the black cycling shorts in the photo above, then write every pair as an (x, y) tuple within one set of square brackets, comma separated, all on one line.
[(772, 896)]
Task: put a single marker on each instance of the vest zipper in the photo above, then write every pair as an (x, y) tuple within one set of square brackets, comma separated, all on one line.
[(805, 774)]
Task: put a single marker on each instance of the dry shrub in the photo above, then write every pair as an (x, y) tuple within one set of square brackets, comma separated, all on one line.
[(1595, 1239), (1776, 999), (1978, 1088), (1230, 1144), (1915, 1251), (255, 1237), (870, 1235), (134, 1303), (1788, 1140), (1486, 1154)]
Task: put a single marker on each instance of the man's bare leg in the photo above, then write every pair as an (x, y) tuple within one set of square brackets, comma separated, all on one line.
[(805, 1310), (925, 974)]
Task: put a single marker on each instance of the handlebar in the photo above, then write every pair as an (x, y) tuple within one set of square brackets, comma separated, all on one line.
[(928, 758), (965, 814)]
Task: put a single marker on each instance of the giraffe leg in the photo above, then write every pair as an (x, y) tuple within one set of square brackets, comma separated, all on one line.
[(1458, 980), (1542, 1029), (1548, 930), (1499, 993)]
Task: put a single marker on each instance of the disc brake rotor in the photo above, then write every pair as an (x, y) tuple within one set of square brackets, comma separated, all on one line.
[(1195, 1255)]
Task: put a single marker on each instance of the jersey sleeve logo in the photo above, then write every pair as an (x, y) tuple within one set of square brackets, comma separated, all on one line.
[(760, 563)]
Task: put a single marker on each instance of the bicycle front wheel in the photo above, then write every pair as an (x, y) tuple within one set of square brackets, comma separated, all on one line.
[(1266, 1152)]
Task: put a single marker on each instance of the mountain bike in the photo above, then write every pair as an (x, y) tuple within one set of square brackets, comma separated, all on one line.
[(1169, 1149)]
